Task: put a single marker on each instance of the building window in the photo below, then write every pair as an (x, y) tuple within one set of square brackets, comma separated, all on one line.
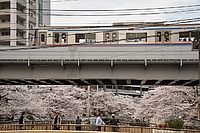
[(4, 5), (31, 14), (31, 37), (31, 26), (31, 2), (5, 20), (5, 33), (136, 37)]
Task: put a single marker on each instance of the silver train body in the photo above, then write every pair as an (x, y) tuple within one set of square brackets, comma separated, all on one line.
[(182, 34)]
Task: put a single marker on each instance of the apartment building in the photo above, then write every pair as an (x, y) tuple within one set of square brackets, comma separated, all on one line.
[(18, 19)]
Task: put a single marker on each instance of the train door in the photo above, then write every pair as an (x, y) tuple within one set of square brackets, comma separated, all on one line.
[(64, 38), (166, 36), (106, 37), (163, 36), (111, 37), (56, 38), (59, 38), (42, 38), (115, 37)]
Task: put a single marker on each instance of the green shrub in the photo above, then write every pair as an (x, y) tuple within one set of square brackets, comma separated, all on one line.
[(175, 123)]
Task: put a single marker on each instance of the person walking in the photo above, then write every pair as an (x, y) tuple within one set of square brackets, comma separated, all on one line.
[(57, 121), (99, 122), (78, 123), (21, 120), (92, 121), (113, 123)]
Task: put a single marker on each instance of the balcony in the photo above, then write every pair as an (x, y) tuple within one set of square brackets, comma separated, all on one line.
[(22, 2), (21, 27), (21, 41), (21, 15), (32, 7), (32, 31), (4, 12), (5, 1), (4, 25), (5, 38), (32, 20)]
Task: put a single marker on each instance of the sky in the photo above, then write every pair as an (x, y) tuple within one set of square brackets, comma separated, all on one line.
[(120, 15)]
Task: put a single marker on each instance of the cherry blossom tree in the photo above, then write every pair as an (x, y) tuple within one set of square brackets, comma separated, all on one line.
[(40, 102)]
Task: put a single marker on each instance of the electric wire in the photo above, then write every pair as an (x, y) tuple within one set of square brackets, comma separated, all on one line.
[(175, 21)]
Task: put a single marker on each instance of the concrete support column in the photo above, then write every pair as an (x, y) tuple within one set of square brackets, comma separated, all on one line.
[(88, 101), (13, 23), (116, 87), (140, 90), (104, 87)]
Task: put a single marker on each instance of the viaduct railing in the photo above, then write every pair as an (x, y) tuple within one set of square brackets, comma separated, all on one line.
[(85, 127)]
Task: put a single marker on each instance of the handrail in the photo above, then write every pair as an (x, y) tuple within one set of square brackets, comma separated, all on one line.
[(86, 127)]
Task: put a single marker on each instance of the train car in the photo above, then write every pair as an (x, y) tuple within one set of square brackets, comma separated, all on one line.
[(117, 34)]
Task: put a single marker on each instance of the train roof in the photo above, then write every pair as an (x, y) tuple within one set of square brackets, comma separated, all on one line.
[(130, 26)]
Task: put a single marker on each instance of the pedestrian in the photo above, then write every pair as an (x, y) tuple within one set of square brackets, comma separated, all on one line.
[(78, 123), (21, 120), (99, 122), (92, 121), (113, 123), (57, 121)]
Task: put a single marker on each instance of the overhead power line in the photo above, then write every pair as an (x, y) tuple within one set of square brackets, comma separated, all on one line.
[(118, 14), (128, 9)]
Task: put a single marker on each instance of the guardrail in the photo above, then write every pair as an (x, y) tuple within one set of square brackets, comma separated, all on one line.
[(106, 128), (50, 56)]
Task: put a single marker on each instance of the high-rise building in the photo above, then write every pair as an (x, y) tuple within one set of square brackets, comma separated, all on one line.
[(43, 12), (18, 20)]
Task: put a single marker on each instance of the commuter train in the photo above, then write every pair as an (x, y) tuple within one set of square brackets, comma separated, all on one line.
[(179, 34)]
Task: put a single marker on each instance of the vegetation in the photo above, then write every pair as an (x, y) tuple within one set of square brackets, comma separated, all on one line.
[(175, 123)]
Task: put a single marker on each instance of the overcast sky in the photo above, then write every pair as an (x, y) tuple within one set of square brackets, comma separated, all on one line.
[(184, 13)]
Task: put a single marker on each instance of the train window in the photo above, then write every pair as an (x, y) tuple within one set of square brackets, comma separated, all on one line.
[(42, 38), (130, 36), (187, 36), (56, 38), (142, 37), (136, 37), (90, 37), (80, 37)]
